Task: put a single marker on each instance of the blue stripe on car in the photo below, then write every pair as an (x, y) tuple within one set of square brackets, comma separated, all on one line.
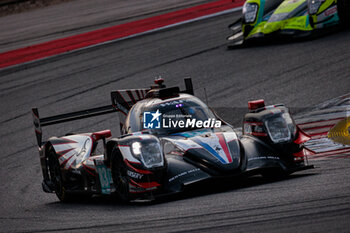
[(209, 149)]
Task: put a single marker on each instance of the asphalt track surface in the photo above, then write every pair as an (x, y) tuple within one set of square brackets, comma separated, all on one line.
[(300, 75), (78, 16)]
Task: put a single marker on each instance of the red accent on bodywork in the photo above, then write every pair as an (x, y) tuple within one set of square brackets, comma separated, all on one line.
[(91, 168), (63, 152), (122, 112), (101, 134), (87, 170), (223, 145), (121, 95), (131, 96), (138, 94), (65, 141), (65, 161), (302, 136), (159, 81), (259, 134), (253, 122), (304, 152), (331, 11), (37, 131), (135, 169), (145, 185), (255, 104)]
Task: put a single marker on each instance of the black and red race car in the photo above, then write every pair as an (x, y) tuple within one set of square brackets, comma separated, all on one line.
[(170, 140)]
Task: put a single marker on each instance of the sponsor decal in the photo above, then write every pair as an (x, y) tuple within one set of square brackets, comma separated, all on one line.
[(183, 173), (331, 11), (134, 175), (155, 120), (151, 120), (105, 176), (263, 157), (191, 123)]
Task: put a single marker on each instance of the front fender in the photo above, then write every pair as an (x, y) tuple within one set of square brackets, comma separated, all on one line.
[(327, 14)]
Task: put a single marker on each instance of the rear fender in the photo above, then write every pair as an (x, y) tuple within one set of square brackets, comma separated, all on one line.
[(72, 150)]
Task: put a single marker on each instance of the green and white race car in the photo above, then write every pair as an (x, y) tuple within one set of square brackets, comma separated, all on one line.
[(287, 18)]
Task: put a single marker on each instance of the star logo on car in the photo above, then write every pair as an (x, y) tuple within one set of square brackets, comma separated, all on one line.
[(156, 115)]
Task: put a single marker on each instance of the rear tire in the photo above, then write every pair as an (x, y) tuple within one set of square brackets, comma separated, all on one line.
[(56, 177), (120, 177)]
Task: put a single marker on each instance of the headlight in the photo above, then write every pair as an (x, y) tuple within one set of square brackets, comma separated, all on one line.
[(249, 12), (314, 5), (278, 129), (136, 148), (148, 152)]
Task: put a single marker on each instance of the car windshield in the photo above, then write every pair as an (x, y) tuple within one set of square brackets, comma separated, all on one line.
[(178, 116)]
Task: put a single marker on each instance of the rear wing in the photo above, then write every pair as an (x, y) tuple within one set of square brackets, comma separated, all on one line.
[(122, 101), (41, 122)]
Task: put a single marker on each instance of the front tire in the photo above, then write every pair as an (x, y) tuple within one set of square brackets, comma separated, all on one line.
[(120, 177)]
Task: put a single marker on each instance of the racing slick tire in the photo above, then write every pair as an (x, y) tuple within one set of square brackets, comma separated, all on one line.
[(119, 175), (344, 10), (56, 177)]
